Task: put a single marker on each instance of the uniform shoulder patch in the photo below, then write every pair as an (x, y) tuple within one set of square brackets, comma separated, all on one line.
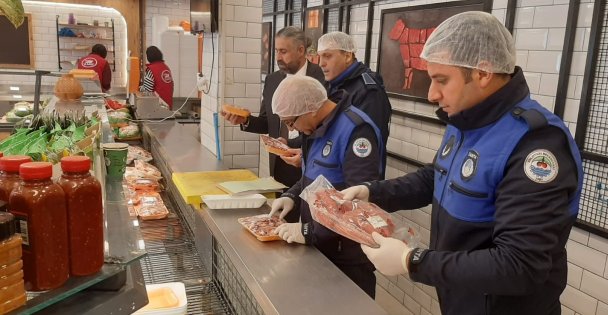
[(541, 166), (362, 147), (367, 79)]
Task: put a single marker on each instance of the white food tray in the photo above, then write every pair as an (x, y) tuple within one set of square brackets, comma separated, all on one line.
[(178, 289), (234, 202)]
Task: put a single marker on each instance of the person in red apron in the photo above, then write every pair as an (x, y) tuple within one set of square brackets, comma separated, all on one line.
[(158, 77), (97, 62)]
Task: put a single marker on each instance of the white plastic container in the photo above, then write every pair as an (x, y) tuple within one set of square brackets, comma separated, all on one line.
[(178, 289), (234, 202)]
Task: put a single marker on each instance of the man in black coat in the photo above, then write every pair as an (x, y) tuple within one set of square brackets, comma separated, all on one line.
[(290, 53), (342, 71)]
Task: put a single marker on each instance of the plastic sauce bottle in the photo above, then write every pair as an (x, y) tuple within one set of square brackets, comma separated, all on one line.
[(39, 207), (12, 294), (85, 215), (9, 174)]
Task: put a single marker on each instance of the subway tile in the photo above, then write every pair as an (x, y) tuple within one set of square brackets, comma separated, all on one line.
[(579, 235), (420, 137), (248, 14), (252, 147), (402, 132), (585, 257), (535, 3), (394, 291), (522, 59), (599, 243), (381, 280), (410, 150), (575, 274), (236, 60), (571, 87), (426, 155), (228, 12), (243, 135), (235, 90), (421, 218), (602, 309), (422, 298), (245, 161), (587, 37), (500, 14), (543, 61), (579, 60), (594, 285), (524, 17), (252, 104), (585, 15), (235, 29), (500, 4), (247, 45), (411, 304), (578, 301), (555, 39), (532, 39), (548, 84), (393, 145), (550, 16), (254, 3), (405, 284), (253, 90), (567, 311), (246, 75), (254, 30), (571, 110), (435, 309), (234, 147), (435, 141)]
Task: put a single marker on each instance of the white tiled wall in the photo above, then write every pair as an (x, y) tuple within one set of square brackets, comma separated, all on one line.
[(239, 81), (175, 10), (45, 39)]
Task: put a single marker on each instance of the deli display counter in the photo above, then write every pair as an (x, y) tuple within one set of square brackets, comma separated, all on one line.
[(239, 273), (118, 288)]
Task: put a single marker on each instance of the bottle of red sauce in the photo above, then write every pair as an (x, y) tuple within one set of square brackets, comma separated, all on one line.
[(9, 174), (85, 215), (38, 204)]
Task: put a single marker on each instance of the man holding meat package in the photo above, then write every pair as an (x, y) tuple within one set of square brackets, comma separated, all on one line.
[(290, 53), (505, 183), (343, 144)]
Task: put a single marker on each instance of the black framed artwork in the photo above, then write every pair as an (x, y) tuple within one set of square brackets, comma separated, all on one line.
[(403, 32), (266, 51), (313, 29)]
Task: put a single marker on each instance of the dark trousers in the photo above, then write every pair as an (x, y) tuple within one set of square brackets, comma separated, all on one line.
[(362, 275)]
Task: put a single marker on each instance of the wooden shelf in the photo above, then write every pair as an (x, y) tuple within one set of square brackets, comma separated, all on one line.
[(85, 26), (80, 49)]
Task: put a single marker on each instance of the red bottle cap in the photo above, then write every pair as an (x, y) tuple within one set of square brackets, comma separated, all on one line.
[(1, 154), (11, 163), (76, 164), (36, 170)]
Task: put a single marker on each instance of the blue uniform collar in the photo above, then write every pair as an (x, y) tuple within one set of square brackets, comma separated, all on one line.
[(345, 74)]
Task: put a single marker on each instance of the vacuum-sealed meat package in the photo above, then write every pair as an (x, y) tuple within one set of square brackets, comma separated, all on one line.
[(356, 219)]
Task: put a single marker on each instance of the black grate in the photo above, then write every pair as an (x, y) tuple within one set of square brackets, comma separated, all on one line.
[(333, 20), (267, 6), (594, 199), (281, 5)]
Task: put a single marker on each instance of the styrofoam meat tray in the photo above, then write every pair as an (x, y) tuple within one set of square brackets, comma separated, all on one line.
[(234, 202), (178, 289)]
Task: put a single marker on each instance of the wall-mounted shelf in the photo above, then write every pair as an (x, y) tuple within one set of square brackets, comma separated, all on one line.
[(87, 27), (81, 49)]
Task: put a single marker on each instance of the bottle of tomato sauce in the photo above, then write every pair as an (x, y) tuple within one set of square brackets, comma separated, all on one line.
[(9, 174), (85, 215), (38, 204)]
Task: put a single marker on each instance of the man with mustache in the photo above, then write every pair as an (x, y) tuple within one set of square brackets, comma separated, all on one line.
[(290, 52)]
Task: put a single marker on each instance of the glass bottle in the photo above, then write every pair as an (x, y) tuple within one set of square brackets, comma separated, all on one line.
[(9, 174), (85, 215), (38, 204)]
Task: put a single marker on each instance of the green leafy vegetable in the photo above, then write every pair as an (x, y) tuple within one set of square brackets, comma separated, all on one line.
[(13, 9)]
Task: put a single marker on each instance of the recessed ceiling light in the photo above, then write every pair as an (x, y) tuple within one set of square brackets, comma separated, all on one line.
[(14, 88), (17, 96)]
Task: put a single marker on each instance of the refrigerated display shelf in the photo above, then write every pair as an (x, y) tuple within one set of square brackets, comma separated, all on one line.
[(172, 257)]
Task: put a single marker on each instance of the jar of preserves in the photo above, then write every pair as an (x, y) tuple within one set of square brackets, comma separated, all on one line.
[(85, 215), (39, 207), (11, 275), (9, 174)]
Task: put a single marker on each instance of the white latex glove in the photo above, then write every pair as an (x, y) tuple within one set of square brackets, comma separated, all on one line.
[(291, 232), (360, 192), (284, 203), (391, 257)]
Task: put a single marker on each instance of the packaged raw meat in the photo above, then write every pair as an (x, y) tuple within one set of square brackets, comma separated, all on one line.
[(262, 226), (274, 146), (138, 153), (356, 219), (147, 168)]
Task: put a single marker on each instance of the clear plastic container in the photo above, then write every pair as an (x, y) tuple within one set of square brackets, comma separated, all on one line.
[(85, 215), (40, 209)]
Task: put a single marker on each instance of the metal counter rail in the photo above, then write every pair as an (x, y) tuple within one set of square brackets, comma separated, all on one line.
[(254, 277)]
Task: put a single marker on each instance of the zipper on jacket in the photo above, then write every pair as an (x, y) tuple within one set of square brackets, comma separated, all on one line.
[(323, 164), (467, 192), (339, 246), (441, 170)]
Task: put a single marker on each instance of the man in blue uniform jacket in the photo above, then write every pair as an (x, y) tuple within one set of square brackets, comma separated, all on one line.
[(339, 142), (505, 184)]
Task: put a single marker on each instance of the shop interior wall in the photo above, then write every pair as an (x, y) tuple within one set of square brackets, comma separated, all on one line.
[(45, 42)]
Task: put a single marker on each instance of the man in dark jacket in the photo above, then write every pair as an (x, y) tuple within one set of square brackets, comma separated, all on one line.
[(505, 183), (344, 145), (290, 53), (343, 71)]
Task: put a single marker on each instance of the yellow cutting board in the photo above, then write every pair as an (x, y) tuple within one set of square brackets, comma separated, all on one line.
[(192, 185)]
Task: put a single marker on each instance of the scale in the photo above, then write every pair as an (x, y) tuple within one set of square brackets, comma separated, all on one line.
[(149, 106)]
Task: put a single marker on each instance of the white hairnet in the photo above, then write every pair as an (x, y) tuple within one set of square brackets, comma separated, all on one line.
[(298, 95), (472, 40), (337, 40)]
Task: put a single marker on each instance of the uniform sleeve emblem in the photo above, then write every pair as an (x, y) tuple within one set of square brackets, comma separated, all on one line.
[(541, 166), (362, 147)]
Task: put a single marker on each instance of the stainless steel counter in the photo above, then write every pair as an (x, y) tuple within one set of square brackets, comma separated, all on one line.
[(282, 278)]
